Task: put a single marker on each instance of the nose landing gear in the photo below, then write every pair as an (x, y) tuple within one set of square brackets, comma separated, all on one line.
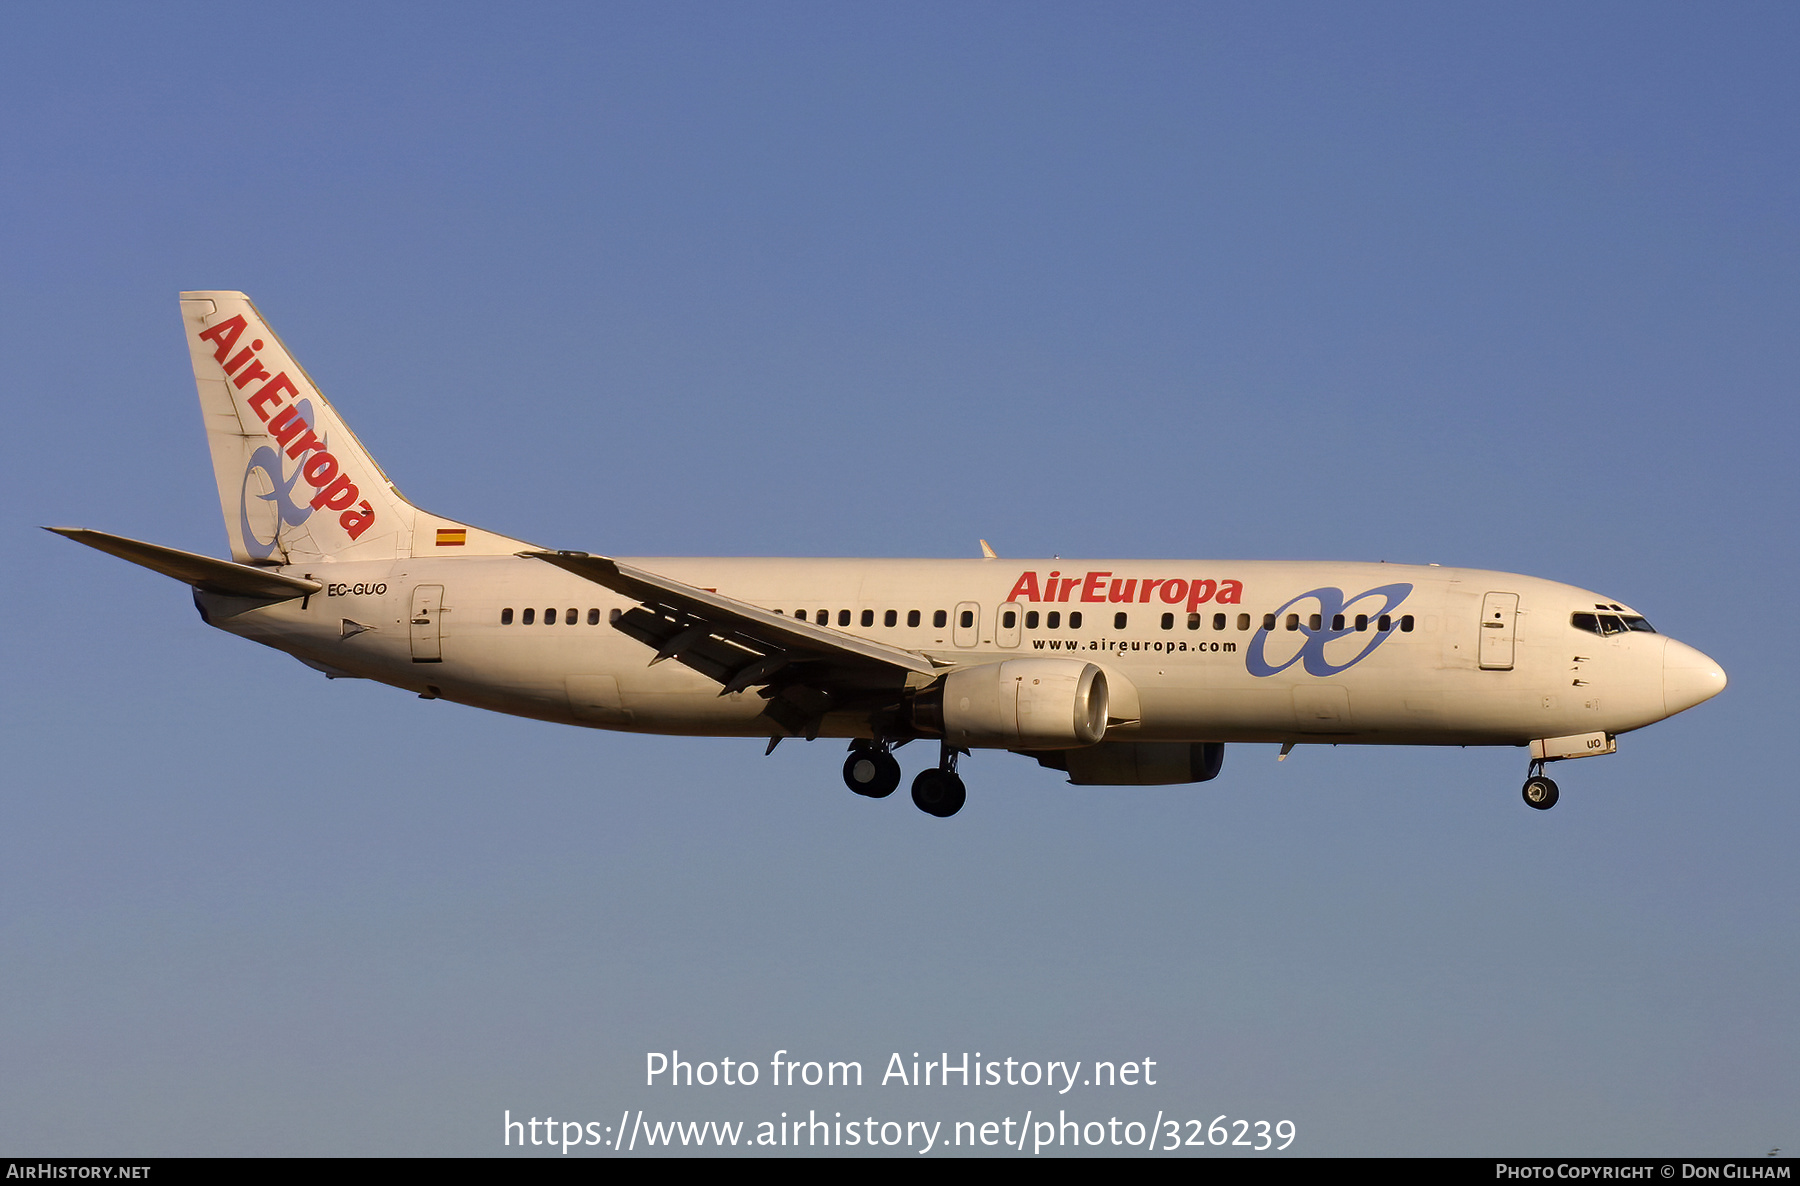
[(1539, 792)]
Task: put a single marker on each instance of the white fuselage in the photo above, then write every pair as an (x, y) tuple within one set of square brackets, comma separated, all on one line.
[(1182, 668)]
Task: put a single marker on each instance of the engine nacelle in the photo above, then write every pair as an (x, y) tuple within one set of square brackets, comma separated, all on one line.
[(1138, 763), (1019, 704)]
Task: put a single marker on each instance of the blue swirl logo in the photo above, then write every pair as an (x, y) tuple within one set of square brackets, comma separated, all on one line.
[(1311, 651), (289, 513)]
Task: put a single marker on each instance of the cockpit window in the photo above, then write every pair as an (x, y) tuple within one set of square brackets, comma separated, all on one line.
[(1608, 624)]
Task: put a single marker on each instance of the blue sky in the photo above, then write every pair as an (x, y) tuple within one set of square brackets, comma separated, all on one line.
[(1512, 288)]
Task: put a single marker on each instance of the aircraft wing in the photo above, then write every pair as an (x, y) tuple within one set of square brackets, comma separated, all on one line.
[(202, 572), (802, 669)]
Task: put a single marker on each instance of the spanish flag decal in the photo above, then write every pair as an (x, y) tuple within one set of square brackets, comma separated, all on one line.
[(452, 537)]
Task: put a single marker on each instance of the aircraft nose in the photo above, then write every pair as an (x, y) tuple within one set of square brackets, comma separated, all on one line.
[(1688, 677)]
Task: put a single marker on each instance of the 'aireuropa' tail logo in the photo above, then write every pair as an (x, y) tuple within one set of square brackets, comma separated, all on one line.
[(292, 428), (282, 511)]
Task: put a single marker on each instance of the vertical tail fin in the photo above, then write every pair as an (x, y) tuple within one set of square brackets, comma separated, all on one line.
[(294, 482)]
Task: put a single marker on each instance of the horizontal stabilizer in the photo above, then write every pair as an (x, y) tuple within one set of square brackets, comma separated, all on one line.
[(202, 572)]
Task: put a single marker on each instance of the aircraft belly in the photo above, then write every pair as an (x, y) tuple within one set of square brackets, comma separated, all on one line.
[(1380, 705)]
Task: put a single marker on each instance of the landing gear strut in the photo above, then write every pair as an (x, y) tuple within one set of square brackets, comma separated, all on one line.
[(1539, 791), (871, 770), (940, 791)]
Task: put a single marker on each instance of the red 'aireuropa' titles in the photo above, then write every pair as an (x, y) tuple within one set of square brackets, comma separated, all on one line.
[(335, 490), (1103, 586)]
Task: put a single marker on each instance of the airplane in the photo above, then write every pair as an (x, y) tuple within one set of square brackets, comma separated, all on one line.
[(1112, 672)]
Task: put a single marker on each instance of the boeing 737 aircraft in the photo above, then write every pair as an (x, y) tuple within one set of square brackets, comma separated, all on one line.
[(1115, 672)]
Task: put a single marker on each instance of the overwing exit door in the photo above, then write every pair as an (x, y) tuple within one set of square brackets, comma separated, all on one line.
[(967, 629)]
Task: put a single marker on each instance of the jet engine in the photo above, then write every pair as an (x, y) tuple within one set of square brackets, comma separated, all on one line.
[(1021, 703)]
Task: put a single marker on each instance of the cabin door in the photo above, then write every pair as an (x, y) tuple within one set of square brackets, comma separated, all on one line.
[(426, 624), (1498, 614)]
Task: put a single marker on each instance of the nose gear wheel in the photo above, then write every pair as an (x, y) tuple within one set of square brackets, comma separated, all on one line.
[(1540, 792)]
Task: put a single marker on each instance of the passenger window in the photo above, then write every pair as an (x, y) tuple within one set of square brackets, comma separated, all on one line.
[(889, 618), (1053, 619), (1406, 624), (938, 618), (1337, 621), (593, 617), (1243, 621), (528, 617), (1119, 620), (1008, 619), (800, 615), (912, 617), (1293, 621), (570, 617), (1218, 621), (843, 617), (1384, 623), (823, 617), (1362, 621), (1168, 621), (966, 618), (1031, 619), (1193, 621), (868, 618), (549, 617), (1312, 622), (1268, 621), (1075, 620), (506, 616)]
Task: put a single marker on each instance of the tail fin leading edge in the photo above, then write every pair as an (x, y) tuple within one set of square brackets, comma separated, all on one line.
[(295, 484)]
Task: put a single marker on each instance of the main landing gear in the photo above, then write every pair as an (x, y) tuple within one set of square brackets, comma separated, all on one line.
[(940, 791), (871, 770), (1539, 791)]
